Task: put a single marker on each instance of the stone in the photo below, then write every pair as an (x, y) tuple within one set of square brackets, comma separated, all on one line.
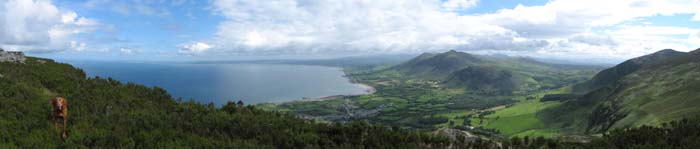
[(12, 56)]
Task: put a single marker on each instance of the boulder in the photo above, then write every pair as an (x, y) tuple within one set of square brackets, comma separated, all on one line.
[(12, 56)]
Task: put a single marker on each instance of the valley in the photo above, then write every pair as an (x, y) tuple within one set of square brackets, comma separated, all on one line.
[(516, 97), (502, 100)]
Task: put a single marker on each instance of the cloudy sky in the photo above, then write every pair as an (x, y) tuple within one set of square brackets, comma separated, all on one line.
[(249, 29)]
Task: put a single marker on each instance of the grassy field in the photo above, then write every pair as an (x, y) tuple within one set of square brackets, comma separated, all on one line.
[(519, 119)]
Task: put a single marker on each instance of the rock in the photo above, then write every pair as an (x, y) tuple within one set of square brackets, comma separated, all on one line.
[(455, 134), (12, 56)]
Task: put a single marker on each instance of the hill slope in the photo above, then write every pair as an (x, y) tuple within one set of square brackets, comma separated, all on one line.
[(613, 75), (648, 90), (487, 79), (108, 113), (434, 65), (501, 75)]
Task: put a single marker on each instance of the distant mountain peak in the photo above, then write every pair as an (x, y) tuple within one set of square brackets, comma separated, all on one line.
[(438, 65), (666, 50), (425, 55), (656, 57), (695, 51)]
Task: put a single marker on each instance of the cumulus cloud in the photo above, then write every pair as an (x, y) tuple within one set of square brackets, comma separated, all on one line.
[(289, 26), (148, 8), (452, 5), (39, 26), (593, 39), (565, 17), (195, 48), (128, 51), (310, 27), (695, 37)]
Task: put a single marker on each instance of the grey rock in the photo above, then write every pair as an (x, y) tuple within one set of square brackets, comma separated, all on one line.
[(12, 56)]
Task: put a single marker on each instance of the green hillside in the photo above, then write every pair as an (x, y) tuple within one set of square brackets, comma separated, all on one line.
[(486, 79), (436, 66), (489, 75), (613, 75), (648, 90), (109, 113)]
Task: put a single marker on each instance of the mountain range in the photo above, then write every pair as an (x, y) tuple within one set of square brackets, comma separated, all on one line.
[(647, 90), (499, 75)]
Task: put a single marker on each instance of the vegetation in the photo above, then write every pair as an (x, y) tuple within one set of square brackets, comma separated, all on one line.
[(443, 91), (559, 97), (514, 103), (648, 90), (676, 134), (108, 113)]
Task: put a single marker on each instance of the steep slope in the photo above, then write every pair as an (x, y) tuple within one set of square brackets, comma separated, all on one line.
[(487, 79), (613, 75), (648, 90), (108, 113)]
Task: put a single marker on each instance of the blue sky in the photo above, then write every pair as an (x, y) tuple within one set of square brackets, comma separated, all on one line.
[(177, 30)]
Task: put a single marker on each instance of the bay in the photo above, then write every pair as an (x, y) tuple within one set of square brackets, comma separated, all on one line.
[(220, 83)]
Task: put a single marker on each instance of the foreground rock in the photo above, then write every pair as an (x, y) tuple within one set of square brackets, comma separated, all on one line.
[(10, 56)]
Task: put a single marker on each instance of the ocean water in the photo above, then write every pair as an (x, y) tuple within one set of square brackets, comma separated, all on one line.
[(219, 83)]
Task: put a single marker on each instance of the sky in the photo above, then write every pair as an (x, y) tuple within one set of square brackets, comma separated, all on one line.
[(186, 30)]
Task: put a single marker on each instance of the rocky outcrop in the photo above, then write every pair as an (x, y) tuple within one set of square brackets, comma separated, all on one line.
[(10, 56)]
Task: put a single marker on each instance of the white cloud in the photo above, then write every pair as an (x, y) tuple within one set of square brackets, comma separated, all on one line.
[(452, 5), (141, 7), (593, 27), (128, 51), (566, 17), (696, 17), (694, 38), (595, 39), (195, 48), (304, 27), (77, 46), (39, 26)]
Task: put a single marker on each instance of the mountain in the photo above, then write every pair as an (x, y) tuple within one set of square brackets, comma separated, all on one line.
[(103, 112), (647, 90), (489, 74), (487, 78), (438, 65), (613, 75)]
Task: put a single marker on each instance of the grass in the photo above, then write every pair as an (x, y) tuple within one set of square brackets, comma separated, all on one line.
[(517, 119), (538, 132)]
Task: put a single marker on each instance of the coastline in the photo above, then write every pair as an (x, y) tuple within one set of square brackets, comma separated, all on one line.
[(367, 91)]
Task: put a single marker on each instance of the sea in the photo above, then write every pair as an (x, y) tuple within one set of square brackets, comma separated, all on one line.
[(218, 83)]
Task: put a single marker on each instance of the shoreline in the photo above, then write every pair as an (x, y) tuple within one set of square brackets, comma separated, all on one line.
[(367, 91)]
